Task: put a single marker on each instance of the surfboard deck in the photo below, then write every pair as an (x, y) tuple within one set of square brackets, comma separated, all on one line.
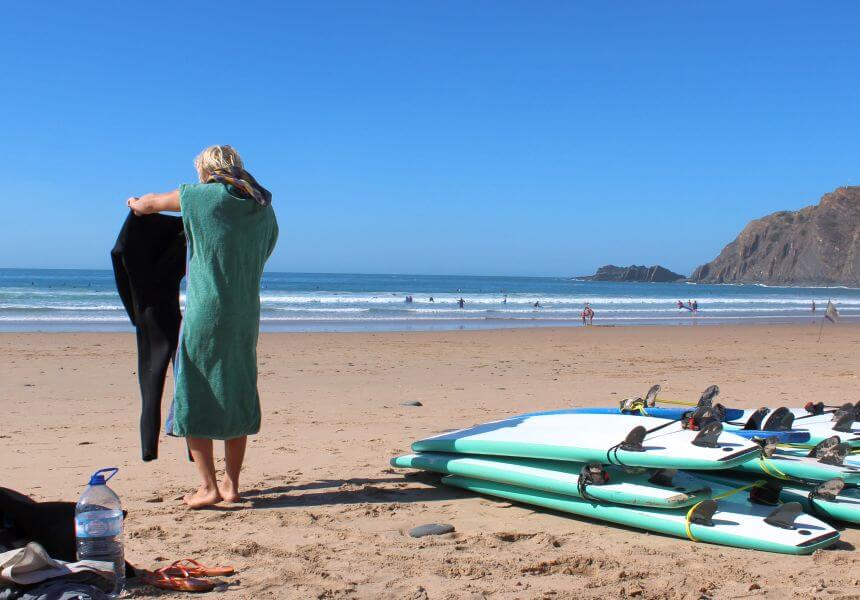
[(674, 414), (563, 477), (734, 524), (800, 467), (845, 508), (592, 438)]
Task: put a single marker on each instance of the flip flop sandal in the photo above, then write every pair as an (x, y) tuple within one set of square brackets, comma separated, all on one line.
[(163, 581), (188, 567)]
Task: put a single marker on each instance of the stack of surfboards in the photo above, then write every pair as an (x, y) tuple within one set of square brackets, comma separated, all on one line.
[(810, 452), (658, 474)]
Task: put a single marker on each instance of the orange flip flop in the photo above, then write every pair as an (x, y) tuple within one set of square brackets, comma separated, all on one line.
[(162, 580), (188, 567)]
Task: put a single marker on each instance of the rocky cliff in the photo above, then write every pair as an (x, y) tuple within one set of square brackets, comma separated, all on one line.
[(817, 245), (633, 273)]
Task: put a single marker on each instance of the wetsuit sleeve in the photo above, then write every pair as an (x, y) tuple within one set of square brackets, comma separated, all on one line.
[(120, 273)]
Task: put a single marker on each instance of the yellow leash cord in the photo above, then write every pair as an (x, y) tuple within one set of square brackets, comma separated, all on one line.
[(678, 402), (763, 463), (757, 483)]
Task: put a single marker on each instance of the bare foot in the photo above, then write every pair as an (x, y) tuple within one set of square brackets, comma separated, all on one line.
[(229, 492), (202, 498)]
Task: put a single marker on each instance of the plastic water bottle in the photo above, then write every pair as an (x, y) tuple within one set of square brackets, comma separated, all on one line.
[(98, 525)]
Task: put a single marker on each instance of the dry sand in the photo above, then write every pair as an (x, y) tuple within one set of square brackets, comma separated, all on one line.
[(325, 516)]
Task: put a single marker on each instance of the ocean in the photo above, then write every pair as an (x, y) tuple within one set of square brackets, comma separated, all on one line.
[(86, 300)]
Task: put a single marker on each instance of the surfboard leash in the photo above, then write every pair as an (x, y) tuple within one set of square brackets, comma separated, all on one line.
[(732, 492)]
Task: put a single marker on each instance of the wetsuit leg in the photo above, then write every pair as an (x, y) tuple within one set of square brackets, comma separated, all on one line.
[(157, 333)]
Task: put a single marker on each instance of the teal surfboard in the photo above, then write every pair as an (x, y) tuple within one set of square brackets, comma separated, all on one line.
[(845, 507), (733, 524), (596, 438), (789, 465), (563, 477)]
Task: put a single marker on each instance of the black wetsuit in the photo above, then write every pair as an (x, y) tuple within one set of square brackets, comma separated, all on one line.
[(149, 264)]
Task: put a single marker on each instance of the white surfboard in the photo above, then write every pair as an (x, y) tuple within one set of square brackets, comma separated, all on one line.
[(597, 438)]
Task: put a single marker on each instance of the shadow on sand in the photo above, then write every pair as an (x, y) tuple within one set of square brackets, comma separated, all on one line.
[(352, 491)]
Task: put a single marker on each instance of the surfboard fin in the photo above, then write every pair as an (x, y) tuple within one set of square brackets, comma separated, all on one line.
[(663, 477), (768, 445), (698, 418), (823, 446), (719, 412), (843, 425), (834, 455), (707, 397), (784, 515), (651, 396), (708, 435), (593, 474), (755, 420), (779, 420), (845, 409), (634, 439), (703, 513), (829, 490), (767, 494), (816, 408)]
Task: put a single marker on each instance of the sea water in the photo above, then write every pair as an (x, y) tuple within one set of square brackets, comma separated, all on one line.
[(82, 300)]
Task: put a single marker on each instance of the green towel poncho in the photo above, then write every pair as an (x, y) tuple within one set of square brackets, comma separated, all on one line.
[(215, 370)]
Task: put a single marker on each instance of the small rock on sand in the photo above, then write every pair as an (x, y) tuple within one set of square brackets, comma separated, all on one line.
[(413, 403), (431, 529)]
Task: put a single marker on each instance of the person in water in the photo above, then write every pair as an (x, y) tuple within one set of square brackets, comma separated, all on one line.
[(461, 303), (231, 231)]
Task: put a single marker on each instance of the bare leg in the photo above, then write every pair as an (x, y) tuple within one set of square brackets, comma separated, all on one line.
[(234, 453), (207, 494)]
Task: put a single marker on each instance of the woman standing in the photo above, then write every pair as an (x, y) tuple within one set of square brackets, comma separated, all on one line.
[(231, 231)]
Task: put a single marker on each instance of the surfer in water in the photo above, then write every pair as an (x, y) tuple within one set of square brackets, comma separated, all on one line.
[(461, 303)]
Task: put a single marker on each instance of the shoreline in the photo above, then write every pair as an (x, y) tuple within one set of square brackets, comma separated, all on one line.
[(407, 325), (325, 515)]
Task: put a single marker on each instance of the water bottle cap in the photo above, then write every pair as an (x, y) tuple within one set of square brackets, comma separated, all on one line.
[(99, 479)]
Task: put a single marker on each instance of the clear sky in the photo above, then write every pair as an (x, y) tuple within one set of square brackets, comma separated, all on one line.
[(530, 138)]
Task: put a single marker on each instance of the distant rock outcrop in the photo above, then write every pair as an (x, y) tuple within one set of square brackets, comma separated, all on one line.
[(816, 245), (633, 273)]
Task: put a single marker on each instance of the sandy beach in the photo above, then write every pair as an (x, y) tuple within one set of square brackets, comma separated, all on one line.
[(325, 516)]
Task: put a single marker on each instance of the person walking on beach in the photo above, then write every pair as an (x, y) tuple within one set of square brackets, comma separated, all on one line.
[(231, 231)]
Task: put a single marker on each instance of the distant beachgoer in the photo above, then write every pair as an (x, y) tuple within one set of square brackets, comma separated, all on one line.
[(589, 313), (461, 303), (505, 300), (813, 306), (431, 299), (231, 231), (584, 316), (695, 305), (680, 305), (537, 304), (408, 299)]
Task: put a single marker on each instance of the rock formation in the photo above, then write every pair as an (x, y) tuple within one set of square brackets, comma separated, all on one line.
[(816, 245), (633, 273)]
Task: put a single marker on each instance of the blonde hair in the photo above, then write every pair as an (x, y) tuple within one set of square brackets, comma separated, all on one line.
[(214, 158)]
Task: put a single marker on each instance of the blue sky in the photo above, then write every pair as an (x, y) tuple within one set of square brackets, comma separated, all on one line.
[(533, 138)]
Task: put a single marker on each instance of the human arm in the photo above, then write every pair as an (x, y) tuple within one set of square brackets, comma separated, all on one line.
[(153, 203)]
